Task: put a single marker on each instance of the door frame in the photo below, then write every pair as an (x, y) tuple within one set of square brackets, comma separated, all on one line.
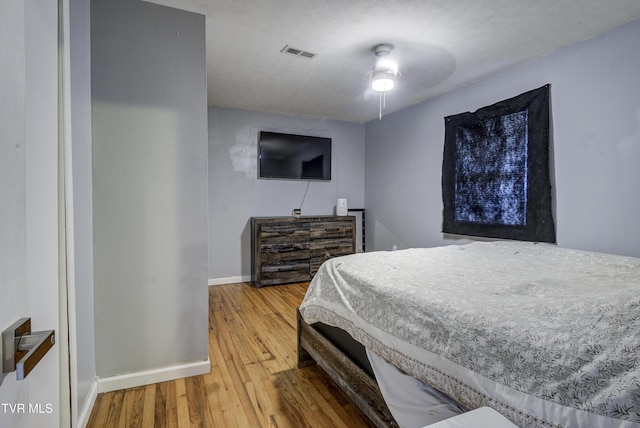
[(66, 283)]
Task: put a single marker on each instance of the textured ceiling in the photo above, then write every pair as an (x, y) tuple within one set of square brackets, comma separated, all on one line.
[(439, 45)]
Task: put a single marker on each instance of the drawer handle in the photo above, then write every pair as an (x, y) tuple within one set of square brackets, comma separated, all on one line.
[(285, 232), (286, 269)]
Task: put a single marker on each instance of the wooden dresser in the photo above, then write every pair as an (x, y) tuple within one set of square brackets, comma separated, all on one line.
[(291, 249)]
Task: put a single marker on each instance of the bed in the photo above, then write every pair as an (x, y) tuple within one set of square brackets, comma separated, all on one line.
[(545, 336)]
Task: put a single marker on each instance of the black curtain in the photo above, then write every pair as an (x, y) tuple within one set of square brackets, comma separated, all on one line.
[(495, 172)]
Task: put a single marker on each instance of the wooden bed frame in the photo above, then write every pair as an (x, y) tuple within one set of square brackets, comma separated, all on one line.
[(360, 387)]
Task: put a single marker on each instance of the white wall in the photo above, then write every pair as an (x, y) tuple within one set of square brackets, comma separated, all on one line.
[(149, 187), (595, 103), (236, 194)]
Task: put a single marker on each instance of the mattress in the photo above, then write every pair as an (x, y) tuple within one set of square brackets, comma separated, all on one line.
[(546, 336)]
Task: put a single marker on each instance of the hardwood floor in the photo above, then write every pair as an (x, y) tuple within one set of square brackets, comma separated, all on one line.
[(254, 380)]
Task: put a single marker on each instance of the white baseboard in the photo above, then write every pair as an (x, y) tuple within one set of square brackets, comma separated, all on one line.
[(230, 280), (132, 380), (85, 412)]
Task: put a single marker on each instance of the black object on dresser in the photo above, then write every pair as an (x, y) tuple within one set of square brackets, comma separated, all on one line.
[(291, 249)]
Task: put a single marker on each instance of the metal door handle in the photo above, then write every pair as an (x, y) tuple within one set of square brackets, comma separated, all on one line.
[(22, 349)]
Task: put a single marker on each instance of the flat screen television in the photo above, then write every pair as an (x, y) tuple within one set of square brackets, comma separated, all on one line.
[(294, 157)]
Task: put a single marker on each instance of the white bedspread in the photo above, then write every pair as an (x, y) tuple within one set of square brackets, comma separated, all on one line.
[(546, 336)]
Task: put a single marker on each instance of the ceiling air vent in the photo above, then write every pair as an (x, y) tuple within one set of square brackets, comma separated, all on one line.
[(298, 52)]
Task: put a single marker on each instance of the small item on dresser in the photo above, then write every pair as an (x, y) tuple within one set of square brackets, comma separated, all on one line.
[(341, 207), (296, 212)]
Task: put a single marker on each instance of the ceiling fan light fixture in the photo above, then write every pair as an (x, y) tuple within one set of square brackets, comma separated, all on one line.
[(383, 80), (384, 74)]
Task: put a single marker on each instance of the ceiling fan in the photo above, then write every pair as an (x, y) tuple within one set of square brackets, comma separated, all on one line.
[(384, 74)]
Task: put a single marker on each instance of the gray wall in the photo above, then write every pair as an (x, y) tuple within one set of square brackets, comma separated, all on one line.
[(80, 72), (236, 194), (595, 101), (149, 186)]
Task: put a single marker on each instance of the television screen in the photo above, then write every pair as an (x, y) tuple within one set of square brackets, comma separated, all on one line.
[(298, 157)]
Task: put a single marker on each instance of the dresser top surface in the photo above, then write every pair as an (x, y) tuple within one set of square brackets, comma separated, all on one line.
[(302, 218)]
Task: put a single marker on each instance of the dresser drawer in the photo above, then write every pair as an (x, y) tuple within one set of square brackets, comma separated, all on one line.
[(331, 229), (283, 250), (328, 248), (282, 233), (282, 273)]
